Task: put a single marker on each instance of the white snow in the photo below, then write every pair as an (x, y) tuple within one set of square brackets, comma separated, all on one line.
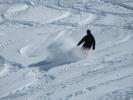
[(1, 20), (16, 8), (39, 59)]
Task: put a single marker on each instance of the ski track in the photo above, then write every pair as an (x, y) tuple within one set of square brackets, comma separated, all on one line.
[(107, 72)]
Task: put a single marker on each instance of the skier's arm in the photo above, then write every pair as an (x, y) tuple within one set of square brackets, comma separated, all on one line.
[(81, 41), (94, 43)]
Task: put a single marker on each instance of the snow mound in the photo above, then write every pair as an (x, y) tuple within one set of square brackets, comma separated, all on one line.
[(13, 10), (7, 67)]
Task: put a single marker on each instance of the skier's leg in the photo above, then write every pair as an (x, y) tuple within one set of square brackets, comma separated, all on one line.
[(85, 51)]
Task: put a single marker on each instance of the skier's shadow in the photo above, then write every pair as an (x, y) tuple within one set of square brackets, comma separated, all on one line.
[(46, 65)]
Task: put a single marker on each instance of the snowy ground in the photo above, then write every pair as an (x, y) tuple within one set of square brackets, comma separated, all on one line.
[(39, 59)]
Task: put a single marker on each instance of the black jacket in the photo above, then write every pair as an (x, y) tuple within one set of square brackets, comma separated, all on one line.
[(89, 41)]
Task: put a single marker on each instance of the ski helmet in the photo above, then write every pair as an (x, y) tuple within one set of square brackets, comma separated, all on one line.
[(88, 32)]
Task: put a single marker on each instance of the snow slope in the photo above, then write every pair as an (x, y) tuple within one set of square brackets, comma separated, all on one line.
[(39, 59)]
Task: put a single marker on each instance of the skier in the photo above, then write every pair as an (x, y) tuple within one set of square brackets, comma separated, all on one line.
[(89, 41)]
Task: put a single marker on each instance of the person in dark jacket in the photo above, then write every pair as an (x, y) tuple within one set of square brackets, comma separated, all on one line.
[(88, 40)]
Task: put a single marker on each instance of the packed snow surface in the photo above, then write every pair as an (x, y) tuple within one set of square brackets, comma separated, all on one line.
[(39, 59)]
